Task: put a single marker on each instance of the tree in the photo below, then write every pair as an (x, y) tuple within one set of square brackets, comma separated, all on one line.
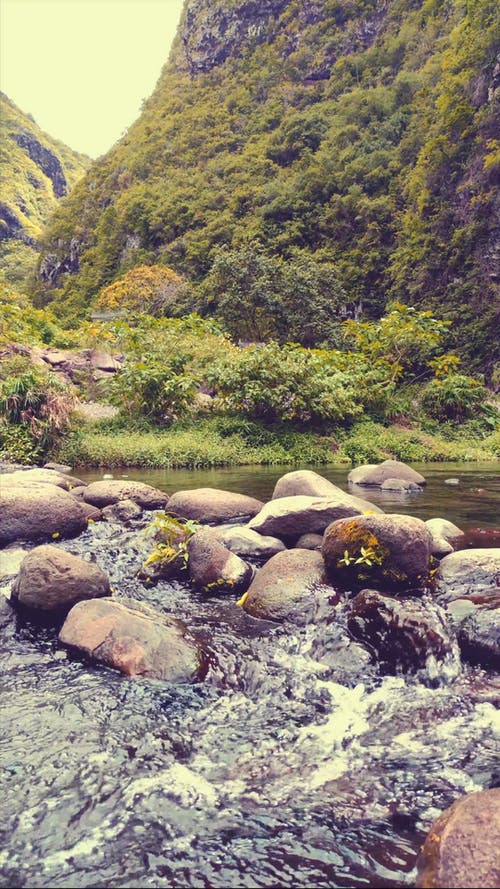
[(150, 290)]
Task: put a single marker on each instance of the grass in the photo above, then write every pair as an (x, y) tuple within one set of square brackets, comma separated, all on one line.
[(238, 442)]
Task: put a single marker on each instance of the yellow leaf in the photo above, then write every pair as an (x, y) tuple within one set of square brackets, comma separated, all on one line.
[(243, 599), (55, 535)]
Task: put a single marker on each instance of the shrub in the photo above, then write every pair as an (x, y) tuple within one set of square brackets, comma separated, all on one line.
[(40, 405), (149, 289), (158, 390), (454, 397)]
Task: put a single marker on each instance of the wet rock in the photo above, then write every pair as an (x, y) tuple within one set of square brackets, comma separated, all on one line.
[(93, 514), (400, 485), (479, 635), (378, 473), (480, 538), (37, 512), (289, 586), (289, 517), (110, 491), (310, 541), (51, 579), (124, 511), (42, 476), (209, 505), (469, 572), (214, 568), (462, 846), (304, 482), (388, 551), (244, 542), (403, 633), (444, 535), (78, 492), (133, 638)]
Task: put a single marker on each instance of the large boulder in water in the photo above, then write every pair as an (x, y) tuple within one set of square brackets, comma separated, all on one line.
[(211, 506), (377, 473), (108, 491), (388, 551), (289, 517), (462, 846), (38, 512), (213, 567), (290, 586), (469, 572), (405, 633), (51, 579), (303, 482), (133, 638)]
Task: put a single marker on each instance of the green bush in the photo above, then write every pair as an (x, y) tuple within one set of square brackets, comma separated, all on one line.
[(454, 397), (39, 404), (158, 390)]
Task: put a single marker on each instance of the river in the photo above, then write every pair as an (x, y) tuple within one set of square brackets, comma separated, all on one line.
[(294, 763)]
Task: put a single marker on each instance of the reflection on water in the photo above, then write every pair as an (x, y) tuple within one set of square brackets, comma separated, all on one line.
[(473, 503)]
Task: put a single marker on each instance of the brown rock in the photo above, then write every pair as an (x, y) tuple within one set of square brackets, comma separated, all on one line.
[(133, 638), (104, 492), (209, 505), (469, 572), (37, 512), (240, 539), (51, 579), (304, 482), (214, 568), (462, 846), (388, 551), (123, 511), (310, 541), (42, 476), (293, 516), (289, 586)]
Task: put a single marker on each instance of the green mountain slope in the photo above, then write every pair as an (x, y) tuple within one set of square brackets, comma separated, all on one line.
[(359, 132), (36, 171)]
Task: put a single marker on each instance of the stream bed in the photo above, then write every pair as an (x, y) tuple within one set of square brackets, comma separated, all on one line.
[(296, 762)]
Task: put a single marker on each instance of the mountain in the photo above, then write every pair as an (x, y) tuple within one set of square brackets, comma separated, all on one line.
[(361, 133), (36, 171)]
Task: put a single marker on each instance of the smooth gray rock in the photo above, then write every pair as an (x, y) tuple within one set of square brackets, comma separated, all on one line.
[(108, 491), (400, 485), (42, 476), (243, 541), (378, 473), (304, 482), (37, 512), (213, 568), (212, 506), (293, 516), (444, 535), (469, 572), (310, 541)]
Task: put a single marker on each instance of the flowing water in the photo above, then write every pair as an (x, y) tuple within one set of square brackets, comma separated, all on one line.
[(294, 763)]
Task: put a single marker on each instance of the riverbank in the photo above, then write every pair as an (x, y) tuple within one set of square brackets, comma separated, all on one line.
[(228, 441)]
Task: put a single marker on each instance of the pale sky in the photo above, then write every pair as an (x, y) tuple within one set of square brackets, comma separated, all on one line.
[(83, 67)]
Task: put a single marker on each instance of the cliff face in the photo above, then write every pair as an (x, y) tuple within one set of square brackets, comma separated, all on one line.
[(35, 172), (360, 132)]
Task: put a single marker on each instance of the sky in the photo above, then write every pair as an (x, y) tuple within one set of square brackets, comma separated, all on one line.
[(82, 68)]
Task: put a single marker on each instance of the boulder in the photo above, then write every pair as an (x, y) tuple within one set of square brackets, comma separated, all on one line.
[(104, 361), (10, 562), (133, 638), (211, 506), (403, 633), (42, 476), (51, 579), (59, 467), (378, 473), (478, 630), (289, 517), (108, 491), (7, 615), (214, 568), (469, 572), (244, 542), (310, 541), (124, 511), (388, 551), (444, 535), (462, 846), (291, 585), (400, 486), (304, 482), (37, 512)]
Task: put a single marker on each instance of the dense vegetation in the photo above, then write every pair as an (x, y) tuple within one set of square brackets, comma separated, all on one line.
[(187, 396), (36, 171), (352, 143)]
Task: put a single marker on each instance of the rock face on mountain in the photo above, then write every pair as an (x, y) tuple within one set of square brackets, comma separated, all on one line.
[(326, 128), (36, 171)]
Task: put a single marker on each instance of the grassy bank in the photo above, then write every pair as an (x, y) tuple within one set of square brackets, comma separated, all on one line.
[(237, 442)]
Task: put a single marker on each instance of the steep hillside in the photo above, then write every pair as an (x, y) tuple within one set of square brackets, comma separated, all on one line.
[(36, 171), (357, 132)]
